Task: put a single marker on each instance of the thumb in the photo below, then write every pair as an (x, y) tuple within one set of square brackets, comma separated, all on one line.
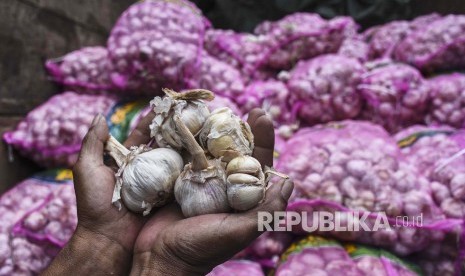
[(91, 154)]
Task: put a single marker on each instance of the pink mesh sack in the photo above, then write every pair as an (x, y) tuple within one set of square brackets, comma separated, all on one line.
[(324, 89), (301, 36), (355, 47), (396, 95), (217, 76), (220, 101), (272, 96), (52, 133), (438, 153), (314, 255), (435, 46), (88, 70), (157, 44), (447, 94), (355, 166), (237, 268), (19, 255)]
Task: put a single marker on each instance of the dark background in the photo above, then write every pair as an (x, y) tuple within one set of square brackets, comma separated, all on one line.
[(33, 30)]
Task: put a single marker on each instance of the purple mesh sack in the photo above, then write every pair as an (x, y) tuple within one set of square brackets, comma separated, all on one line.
[(447, 94), (437, 153), (272, 96), (88, 70), (217, 76), (220, 101), (317, 256), (355, 166), (157, 44), (267, 248), (237, 268), (396, 96), (438, 45), (302, 36), (324, 89), (52, 133), (18, 254), (383, 39), (53, 222), (241, 50), (355, 47), (375, 261)]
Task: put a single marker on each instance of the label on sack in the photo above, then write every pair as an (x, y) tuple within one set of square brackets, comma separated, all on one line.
[(121, 117)]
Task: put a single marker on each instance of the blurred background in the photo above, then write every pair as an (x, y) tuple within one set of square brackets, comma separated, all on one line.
[(32, 31)]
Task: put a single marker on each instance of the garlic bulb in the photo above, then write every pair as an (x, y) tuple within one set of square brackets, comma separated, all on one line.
[(201, 186), (245, 182), (146, 176), (188, 105), (224, 132)]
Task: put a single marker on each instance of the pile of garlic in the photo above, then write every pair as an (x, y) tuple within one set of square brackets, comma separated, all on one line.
[(203, 160)]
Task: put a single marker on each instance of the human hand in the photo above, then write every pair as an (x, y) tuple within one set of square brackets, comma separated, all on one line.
[(104, 238), (170, 244)]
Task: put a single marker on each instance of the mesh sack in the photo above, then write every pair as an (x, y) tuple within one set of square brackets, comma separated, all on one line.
[(447, 94), (435, 46), (396, 95), (355, 166), (88, 70), (237, 268), (324, 89), (302, 36), (314, 255), (438, 153), (52, 133), (157, 44)]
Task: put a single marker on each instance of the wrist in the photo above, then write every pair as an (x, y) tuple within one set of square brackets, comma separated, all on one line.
[(91, 252)]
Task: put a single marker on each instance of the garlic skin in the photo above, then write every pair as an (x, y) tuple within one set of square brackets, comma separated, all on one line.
[(201, 187), (188, 105), (245, 182), (202, 192), (146, 176), (225, 132)]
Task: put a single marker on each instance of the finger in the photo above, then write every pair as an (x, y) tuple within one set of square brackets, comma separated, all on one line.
[(219, 236), (263, 131), (91, 153), (141, 134)]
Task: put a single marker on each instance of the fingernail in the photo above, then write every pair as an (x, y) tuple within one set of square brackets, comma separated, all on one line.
[(96, 120), (287, 189)]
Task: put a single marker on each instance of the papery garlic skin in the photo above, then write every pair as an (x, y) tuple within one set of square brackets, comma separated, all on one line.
[(223, 132), (246, 183), (146, 176), (148, 180), (202, 192), (201, 187), (189, 106)]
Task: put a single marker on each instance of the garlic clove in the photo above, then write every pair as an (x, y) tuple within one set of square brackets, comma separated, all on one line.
[(223, 131), (245, 197), (244, 164), (242, 178)]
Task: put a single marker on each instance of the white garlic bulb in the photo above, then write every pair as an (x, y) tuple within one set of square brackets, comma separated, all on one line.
[(146, 176), (188, 105), (224, 132), (201, 187), (245, 183)]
